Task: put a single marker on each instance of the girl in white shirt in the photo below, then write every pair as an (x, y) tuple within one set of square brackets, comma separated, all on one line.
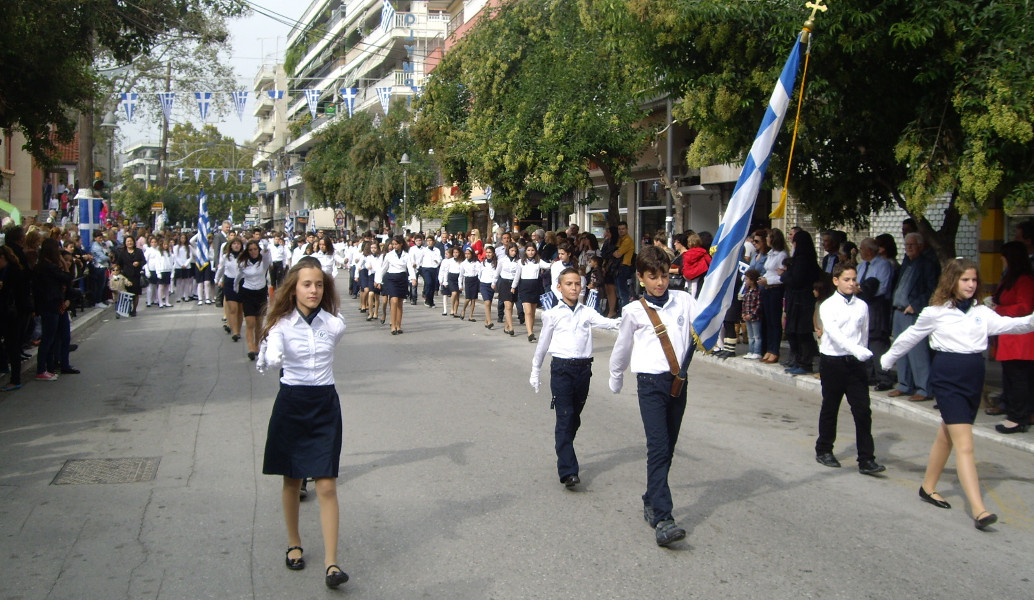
[(394, 277), (181, 263), (508, 265), (449, 277), (958, 328), (305, 428), (253, 265), (373, 295), (469, 271), (325, 254), (772, 296), (166, 264), (527, 283), (562, 262), (487, 277), (362, 278), (225, 276), (151, 257)]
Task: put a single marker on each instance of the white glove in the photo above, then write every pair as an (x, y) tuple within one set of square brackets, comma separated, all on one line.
[(861, 353), (886, 363), (260, 363), (616, 383), (534, 381)]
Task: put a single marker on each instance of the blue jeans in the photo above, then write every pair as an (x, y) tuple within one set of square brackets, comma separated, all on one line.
[(662, 420), (569, 385), (914, 367), (754, 337)]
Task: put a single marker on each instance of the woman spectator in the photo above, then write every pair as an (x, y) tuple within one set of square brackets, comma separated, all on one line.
[(51, 282), (1015, 298), (477, 246), (676, 280), (610, 241), (14, 310), (800, 280), (130, 261), (772, 296)]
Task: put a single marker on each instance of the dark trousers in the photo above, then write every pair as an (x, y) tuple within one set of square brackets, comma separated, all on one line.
[(805, 349), (48, 341), (772, 319), (662, 420), (13, 329), (569, 384), (98, 282), (276, 273), (430, 276), (1018, 382), (875, 374), (844, 375)]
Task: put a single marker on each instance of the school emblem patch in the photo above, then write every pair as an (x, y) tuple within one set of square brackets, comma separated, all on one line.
[(682, 320)]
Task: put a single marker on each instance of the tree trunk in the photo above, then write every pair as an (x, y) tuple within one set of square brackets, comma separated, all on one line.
[(613, 193), (941, 240)]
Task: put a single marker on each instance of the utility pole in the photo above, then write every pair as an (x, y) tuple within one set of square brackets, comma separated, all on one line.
[(163, 153)]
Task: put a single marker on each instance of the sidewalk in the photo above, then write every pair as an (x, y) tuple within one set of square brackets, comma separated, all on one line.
[(82, 324), (916, 411)]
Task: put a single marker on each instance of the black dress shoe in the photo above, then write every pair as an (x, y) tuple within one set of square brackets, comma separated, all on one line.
[(668, 532), (827, 459), (986, 519), (235, 337), (295, 564), (69, 371), (570, 481), (1014, 429), (870, 467), (929, 498), (73, 347), (336, 578), (882, 387), (252, 355)]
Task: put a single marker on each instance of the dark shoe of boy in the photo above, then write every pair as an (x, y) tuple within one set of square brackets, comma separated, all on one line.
[(827, 459), (870, 467), (668, 532)]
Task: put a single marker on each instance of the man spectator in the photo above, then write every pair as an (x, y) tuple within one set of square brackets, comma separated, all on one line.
[(623, 274), (875, 276), (1025, 233), (916, 281), (100, 250), (660, 239), (831, 244)]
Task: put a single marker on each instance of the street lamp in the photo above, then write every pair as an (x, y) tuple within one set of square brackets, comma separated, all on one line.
[(405, 162)]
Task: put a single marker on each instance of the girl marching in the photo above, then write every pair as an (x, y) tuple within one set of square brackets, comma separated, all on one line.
[(394, 276), (527, 283), (487, 277), (252, 267), (469, 271)]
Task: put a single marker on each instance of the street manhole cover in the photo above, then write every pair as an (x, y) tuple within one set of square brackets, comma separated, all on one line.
[(106, 470)]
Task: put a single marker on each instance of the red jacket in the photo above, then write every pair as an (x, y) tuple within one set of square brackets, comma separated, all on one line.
[(695, 262), (1017, 301)]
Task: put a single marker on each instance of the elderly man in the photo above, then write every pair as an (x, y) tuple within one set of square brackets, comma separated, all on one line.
[(916, 281), (875, 277), (831, 244)]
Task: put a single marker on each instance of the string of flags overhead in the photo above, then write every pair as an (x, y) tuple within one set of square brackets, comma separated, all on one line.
[(203, 100), (256, 174)]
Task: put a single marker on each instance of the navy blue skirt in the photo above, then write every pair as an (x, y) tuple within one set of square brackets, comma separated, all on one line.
[(505, 295), (454, 283), (470, 288), (304, 435), (956, 382), (487, 293), (529, 290), (228, 292), (364, 280), (395, 285)]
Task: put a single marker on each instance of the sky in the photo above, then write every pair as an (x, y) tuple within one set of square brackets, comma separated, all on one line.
[(256, 40)]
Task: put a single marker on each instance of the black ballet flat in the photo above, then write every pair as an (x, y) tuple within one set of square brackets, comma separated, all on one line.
[(382, 320), (929, 498), (983, 523), (226, 328), (399, 332), (393, 332), (369, 318), (235, 337), (336, 578), (295, 564), (252, 355), (472, 320)]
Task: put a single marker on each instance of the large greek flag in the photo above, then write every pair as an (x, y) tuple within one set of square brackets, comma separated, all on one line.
[(387, 15), (719, 284), (202, 228)]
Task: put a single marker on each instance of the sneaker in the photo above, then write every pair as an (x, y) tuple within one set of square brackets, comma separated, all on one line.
[(827, 459), (46, 376), (100, 305), (209, 302), (10, 387), (668, 532), (199, 303)]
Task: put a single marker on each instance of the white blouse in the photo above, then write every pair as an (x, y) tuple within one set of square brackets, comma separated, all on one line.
[(305, 352), (253, 275), (508, 267), (470, 268), (488, 273), (774, 262), (395, 262), (529, 270)]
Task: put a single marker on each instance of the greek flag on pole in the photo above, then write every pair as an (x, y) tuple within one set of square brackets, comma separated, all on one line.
[(129, 104), (312, 97), (289, 224), (348, 95), (387, 15), (204, 102), (202, 228), (716, 295), (384, 94), (165, 99), (240, 99), (89, 218), (275, 94)]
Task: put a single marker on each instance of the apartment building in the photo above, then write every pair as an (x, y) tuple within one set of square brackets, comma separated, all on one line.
[(271, 164)]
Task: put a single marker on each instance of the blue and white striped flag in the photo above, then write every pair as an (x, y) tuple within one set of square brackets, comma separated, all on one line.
[(312, 97), (129, 104), (592, 299), (384, 94), (202, 228), (348, 96), (240, 175), (547, 300), (275, 94), (204, 102), (211, 176), (89, 218), (719, 284), (387, 15), (289, 224), (165, 99), (240, 100)]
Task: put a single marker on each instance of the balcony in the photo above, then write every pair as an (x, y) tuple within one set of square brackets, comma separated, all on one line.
[(264, 132), (263, 104), (265, 76)]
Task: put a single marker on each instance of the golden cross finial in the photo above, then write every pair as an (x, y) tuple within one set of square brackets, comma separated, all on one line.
[(815, 7)]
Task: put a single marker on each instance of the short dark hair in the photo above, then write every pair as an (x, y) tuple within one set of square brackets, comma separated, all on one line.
[(567, 271), (752, 274), (841, 266), (652, 259)]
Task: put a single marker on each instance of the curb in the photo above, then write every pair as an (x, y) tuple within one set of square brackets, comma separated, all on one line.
[(81, 326)]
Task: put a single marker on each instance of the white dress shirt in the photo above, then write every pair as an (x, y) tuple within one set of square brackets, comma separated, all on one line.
[(845, 327), (394, 262), (773, 262), (166, 262), (305, 352), (430, 258), (470, 268), (181, 257), (227, 268), (489, 273), (327, 263), (277, 252), (253, 275), (528, 270), (952, 330), (508, 267), (567, 333), (637, 331)]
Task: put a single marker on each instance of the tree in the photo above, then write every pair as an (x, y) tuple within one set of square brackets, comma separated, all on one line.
[(47, 55), (355, 164), (907, 101), (535, 95)]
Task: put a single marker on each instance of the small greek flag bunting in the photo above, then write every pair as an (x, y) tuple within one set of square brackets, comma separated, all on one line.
[(230, 218), (387, 16), (289, 224), (275, 94), (226, 175), (348, 96), (240, 175), (211, 176), (240, 100), (384, 94), (591, 299), (129, 104), (202, 228), (165, 99), (197, 174), (718, 289), (179, 172), (204, 102), (312, 97), (272, 174)]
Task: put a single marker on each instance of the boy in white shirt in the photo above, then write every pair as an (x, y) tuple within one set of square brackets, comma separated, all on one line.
[(842, 354)]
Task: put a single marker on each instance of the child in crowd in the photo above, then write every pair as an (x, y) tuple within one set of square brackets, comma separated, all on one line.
[(752, 313)]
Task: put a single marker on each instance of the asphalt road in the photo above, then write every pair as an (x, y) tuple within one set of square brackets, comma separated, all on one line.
[(448, 486)]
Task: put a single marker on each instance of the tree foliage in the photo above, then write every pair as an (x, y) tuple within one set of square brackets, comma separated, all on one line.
[(535, 95), (48, 51), (907, 101), (355, 164)]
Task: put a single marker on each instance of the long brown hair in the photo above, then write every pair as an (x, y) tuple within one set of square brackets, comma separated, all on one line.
[(949, 282), (285, 300)]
